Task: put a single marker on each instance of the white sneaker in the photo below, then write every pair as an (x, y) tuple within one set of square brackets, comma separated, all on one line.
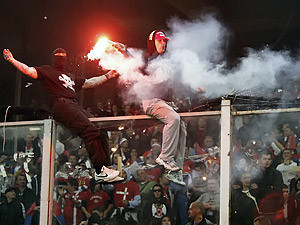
[(176, 177), (106, 175), (167, 165)]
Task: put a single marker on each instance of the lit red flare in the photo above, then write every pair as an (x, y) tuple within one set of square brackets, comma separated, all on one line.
[(99, 49), (105, 46)]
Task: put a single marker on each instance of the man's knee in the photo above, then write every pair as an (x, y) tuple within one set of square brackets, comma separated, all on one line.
[(175, 119)]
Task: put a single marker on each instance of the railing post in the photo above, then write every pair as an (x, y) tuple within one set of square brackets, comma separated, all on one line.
[(225, 162), (47, 173)]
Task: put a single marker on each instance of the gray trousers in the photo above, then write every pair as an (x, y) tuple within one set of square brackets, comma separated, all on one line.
[(174, 131)]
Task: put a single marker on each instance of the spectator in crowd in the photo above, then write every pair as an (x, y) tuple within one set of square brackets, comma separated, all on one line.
[(115, 111), (241, 163), (275, 145), (100, 109), (11, 209), (97, 217), (108, 107), (73, 160), (295, 184), (123, 150), (245, 133), (244, 207), (188, 164), (287, 137), (199, 181), (290, 207), (127, 110), (63, 171), (154, 152), (267, 179), (30, 145), (96, 197), (83, 157), (144, 183), (72, 203), (199, 170), (24, 194), (3, 157), (164, 182), (134, 157), (166, 220), (286, 167), (115, 158), (156, 207), (133, 137), (153, 173), (211, 200), (35, 179), (154, 135), (296, 154), (197, 214), (193, 138), (127, 195), (201, 132), (89, 110), (267, 183)]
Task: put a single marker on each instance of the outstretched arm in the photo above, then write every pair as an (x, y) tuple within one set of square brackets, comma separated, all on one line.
[(30, 71), (122, 49), (96, 81)]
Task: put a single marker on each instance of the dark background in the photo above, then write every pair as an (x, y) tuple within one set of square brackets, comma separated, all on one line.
[(32, 29)]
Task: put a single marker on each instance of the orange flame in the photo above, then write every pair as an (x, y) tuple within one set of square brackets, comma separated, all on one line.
[(99, 49)]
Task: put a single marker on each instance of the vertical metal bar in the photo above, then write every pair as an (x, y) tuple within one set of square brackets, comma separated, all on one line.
[(47, 173), (225, 162)]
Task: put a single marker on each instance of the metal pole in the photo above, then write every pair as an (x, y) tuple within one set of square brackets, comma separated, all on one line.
[(47, 173), (225, 162)]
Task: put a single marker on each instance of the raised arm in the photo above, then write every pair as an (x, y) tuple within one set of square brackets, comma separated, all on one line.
[(96, 81), (30, 71)]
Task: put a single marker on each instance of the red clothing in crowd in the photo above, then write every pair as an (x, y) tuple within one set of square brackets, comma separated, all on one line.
[(72, 213), (125, 191), (152, 174), (95, 199)]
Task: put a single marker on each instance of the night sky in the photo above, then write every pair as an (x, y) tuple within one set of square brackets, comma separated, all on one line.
[(32, 29)]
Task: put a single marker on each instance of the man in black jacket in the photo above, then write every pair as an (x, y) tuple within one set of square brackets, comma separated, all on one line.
[(196, 213), (268, 183), (61, 88), (11, 210)]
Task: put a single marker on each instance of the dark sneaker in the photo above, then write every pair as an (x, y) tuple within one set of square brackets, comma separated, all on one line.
[(167, 165), (106, 175), (176, 177)]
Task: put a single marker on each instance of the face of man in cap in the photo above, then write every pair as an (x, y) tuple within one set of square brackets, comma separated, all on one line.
[(124, 143), (10, 194), (160, 42)]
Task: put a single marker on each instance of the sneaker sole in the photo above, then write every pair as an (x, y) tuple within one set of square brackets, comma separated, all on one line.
[(176, 181), (162, 163), (108, 177), (116, 179)]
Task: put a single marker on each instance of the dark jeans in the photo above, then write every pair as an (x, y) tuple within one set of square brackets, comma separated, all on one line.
[(74, 117)]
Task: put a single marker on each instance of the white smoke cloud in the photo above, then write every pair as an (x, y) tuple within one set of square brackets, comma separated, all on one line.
[(197, 48), (195, 57)]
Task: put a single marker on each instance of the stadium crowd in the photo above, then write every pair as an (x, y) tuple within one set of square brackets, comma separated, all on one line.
[(265, 178)]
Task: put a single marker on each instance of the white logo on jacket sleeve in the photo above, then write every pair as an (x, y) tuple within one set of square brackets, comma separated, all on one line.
[(67, 82)]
